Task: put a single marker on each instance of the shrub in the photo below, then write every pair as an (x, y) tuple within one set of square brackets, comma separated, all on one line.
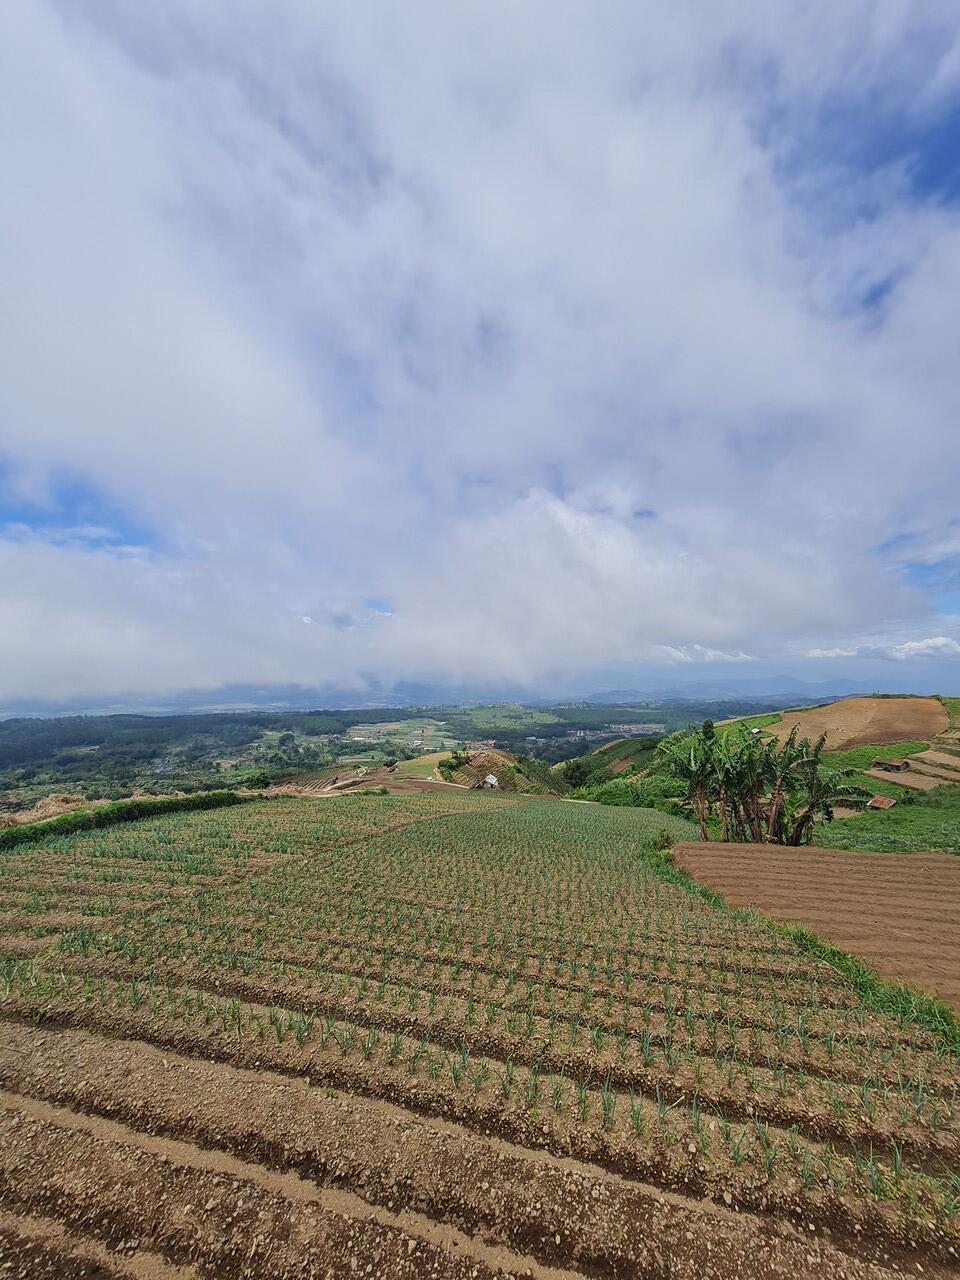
[(107, 815)]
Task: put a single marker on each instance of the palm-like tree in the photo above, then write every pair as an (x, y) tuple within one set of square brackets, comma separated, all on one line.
[(821, 790), (691, 761), (760, 789)]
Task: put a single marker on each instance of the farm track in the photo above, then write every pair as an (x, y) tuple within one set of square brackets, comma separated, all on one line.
[(537, 1212)]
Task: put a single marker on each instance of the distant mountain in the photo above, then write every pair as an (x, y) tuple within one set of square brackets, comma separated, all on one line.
[(761, 688), (782, 689)]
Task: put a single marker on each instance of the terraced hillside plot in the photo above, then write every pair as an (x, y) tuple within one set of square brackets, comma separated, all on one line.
[(458, 1035), (900, 912), (853, 722)]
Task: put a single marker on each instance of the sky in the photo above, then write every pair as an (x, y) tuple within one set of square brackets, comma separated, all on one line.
[(505, 345)]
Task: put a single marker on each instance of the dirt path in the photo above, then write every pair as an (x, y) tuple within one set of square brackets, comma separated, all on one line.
[(900, 911)]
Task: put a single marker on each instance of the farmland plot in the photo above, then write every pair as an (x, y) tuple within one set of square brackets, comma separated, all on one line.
[(444, 1034)]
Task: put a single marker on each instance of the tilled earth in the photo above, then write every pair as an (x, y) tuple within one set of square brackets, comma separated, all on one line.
[(129, 1160), (900, 911), (441, 1044)]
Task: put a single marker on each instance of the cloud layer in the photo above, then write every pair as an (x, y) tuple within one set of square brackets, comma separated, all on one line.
[(569, 344)]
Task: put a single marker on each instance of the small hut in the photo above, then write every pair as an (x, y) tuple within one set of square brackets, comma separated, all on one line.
[(881, 802), (490, 781)]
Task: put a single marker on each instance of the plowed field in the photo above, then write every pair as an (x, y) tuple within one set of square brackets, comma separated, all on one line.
[(855, 722), (443, 1035), (900, 911)]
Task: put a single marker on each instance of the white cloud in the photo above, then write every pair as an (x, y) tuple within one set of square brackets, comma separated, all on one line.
[(906, 650), (934, 647), (336, 306)]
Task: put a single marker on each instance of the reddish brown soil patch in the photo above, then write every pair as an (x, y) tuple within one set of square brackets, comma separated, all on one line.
[(856, 722), (900, 911), (621, 766)]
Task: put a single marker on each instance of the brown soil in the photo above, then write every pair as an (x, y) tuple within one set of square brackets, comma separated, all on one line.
[(621, 766), (909, 781), (442, 1188), (900, 911), (940, 759), (856, 722)]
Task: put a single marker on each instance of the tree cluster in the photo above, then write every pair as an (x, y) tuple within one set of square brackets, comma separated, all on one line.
[(749, 787)]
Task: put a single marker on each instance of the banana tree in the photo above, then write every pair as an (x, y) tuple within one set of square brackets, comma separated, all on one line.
[(692, 761), (821, 790)]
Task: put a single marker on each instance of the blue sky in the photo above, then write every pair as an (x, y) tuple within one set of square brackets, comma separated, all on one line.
[(511, 346)]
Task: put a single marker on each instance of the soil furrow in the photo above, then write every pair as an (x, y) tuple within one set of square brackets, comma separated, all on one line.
[(557, 1210), (218, 1213), (671, 1168), (811, 1117), (34, 1248)]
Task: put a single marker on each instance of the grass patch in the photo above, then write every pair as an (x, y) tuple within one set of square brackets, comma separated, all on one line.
[(108, 815), (929, 820), (423, 766), (863, 757), (751, 722)]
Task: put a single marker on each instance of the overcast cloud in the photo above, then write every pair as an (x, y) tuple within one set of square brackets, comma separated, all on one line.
[(483, 342)]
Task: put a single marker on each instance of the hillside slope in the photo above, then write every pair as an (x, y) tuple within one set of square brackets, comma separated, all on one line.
[(854, 722), (513, 773)]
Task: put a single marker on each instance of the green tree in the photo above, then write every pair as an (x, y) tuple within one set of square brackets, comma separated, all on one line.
[(756, 788)]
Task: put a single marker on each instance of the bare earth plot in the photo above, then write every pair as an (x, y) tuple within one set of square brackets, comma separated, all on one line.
[(454, 1035), (899, 911), (855, 722)]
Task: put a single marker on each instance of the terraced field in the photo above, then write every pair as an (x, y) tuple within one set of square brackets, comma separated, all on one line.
[(451, 1035)]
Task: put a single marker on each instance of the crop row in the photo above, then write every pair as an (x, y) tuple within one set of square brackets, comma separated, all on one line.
[(673, 1139)]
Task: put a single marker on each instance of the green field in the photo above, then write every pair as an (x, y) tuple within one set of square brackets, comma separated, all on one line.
[(424, 728), (751, 722), (423, 766), (931, 820)]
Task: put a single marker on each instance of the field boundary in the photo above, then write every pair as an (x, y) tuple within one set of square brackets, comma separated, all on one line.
[(109, 815), (898, 999)]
